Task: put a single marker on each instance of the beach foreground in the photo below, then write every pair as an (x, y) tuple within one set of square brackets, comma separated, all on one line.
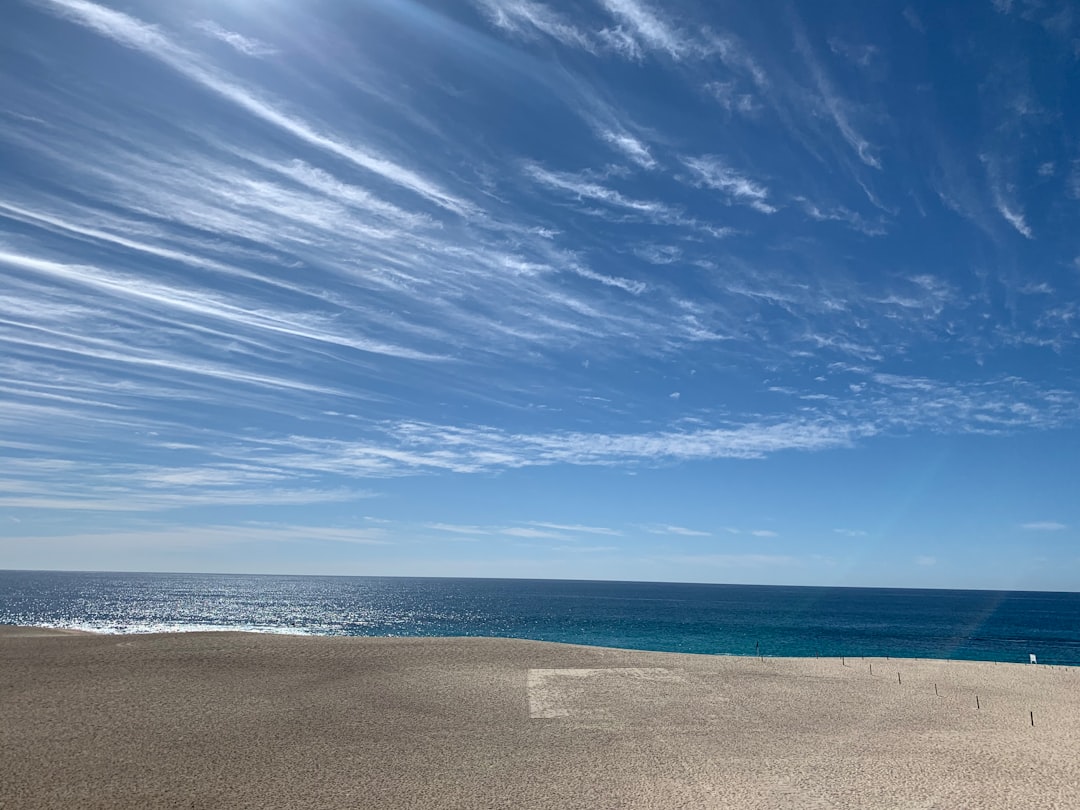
[(235, 720)]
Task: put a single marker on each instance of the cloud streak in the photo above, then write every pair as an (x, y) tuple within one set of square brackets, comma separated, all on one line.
[(133, 33), (527, 19), (647, 27), (711, 172), (248, 46)]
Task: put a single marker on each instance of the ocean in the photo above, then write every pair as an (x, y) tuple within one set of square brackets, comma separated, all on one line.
[(672, 617)]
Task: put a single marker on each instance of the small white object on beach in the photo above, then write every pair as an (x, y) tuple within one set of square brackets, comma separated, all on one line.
[(1031, 658)]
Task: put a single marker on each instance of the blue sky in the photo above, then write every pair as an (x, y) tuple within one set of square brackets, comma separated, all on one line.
[(722, 292)]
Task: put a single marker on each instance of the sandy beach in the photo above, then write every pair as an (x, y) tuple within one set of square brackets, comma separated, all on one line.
[(233, 720)]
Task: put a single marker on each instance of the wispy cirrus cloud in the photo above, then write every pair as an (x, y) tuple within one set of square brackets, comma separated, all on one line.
[(658, 254), (894, 404), (858, 53), (647, 27), (588, 189), (577, 528), (838, 109), (249, 46), (713, 172), (148, 39), (585, 549), (681, 531), (151, 538), (736, 560), (198, 304), (764, 533), (108, 497), (1044, 526), (841, 213), (1014, 217), (732, 97), (630, 146), (532, 532), (527, 18)]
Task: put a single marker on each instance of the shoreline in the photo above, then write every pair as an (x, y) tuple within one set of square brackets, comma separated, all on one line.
[(46, 630), (229, 719)]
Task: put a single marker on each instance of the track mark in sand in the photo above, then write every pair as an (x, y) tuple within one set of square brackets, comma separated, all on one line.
[(560, 692)]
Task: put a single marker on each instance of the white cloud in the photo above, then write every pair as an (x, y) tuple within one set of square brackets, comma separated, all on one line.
[(148, 39), (651, 30), (712, 172), (658, 254), (189, 537), (837, 108), (856, 53), (577, 528), (621, 41), (736, 560), (1015, 218), (456, 528), (1002, 191), (128, 495), (913, 19), (589, 189), (894, 404), (249, 46), (925, 560), (841, 213), (632, 147), (526, 18), (851, 532), (585, 549), (1044, 526), (677, 530), (1073, 184), (732, 97), (632, 287), (763, 533), (194, 303), (1031, 288), (525, 531)]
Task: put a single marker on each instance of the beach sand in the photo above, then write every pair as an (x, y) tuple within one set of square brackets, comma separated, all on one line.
[(235, 720)]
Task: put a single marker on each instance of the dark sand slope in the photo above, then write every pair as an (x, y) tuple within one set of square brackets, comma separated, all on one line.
[(236, 720)]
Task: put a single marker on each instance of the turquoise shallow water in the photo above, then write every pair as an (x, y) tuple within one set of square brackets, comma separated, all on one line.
[(719, 619)]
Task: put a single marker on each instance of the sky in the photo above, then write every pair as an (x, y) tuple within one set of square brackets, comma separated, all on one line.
[(766, 292)]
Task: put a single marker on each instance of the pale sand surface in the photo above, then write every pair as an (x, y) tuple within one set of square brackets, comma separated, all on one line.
[(233, 720)]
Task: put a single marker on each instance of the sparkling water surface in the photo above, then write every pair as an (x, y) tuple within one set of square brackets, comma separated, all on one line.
[(715, 619)]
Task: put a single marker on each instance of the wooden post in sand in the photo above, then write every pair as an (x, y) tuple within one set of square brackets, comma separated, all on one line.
[(871, 667), (977, 706), (898, 678), (1032, 719), (935, 691)]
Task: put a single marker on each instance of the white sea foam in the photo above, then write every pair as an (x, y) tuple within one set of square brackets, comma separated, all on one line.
[(134, 628)]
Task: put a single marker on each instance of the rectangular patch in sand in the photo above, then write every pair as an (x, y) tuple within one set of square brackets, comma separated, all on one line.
[(582, 692)]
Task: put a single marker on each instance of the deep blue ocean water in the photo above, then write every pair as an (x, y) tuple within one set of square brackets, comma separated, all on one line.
[(717, 619)]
